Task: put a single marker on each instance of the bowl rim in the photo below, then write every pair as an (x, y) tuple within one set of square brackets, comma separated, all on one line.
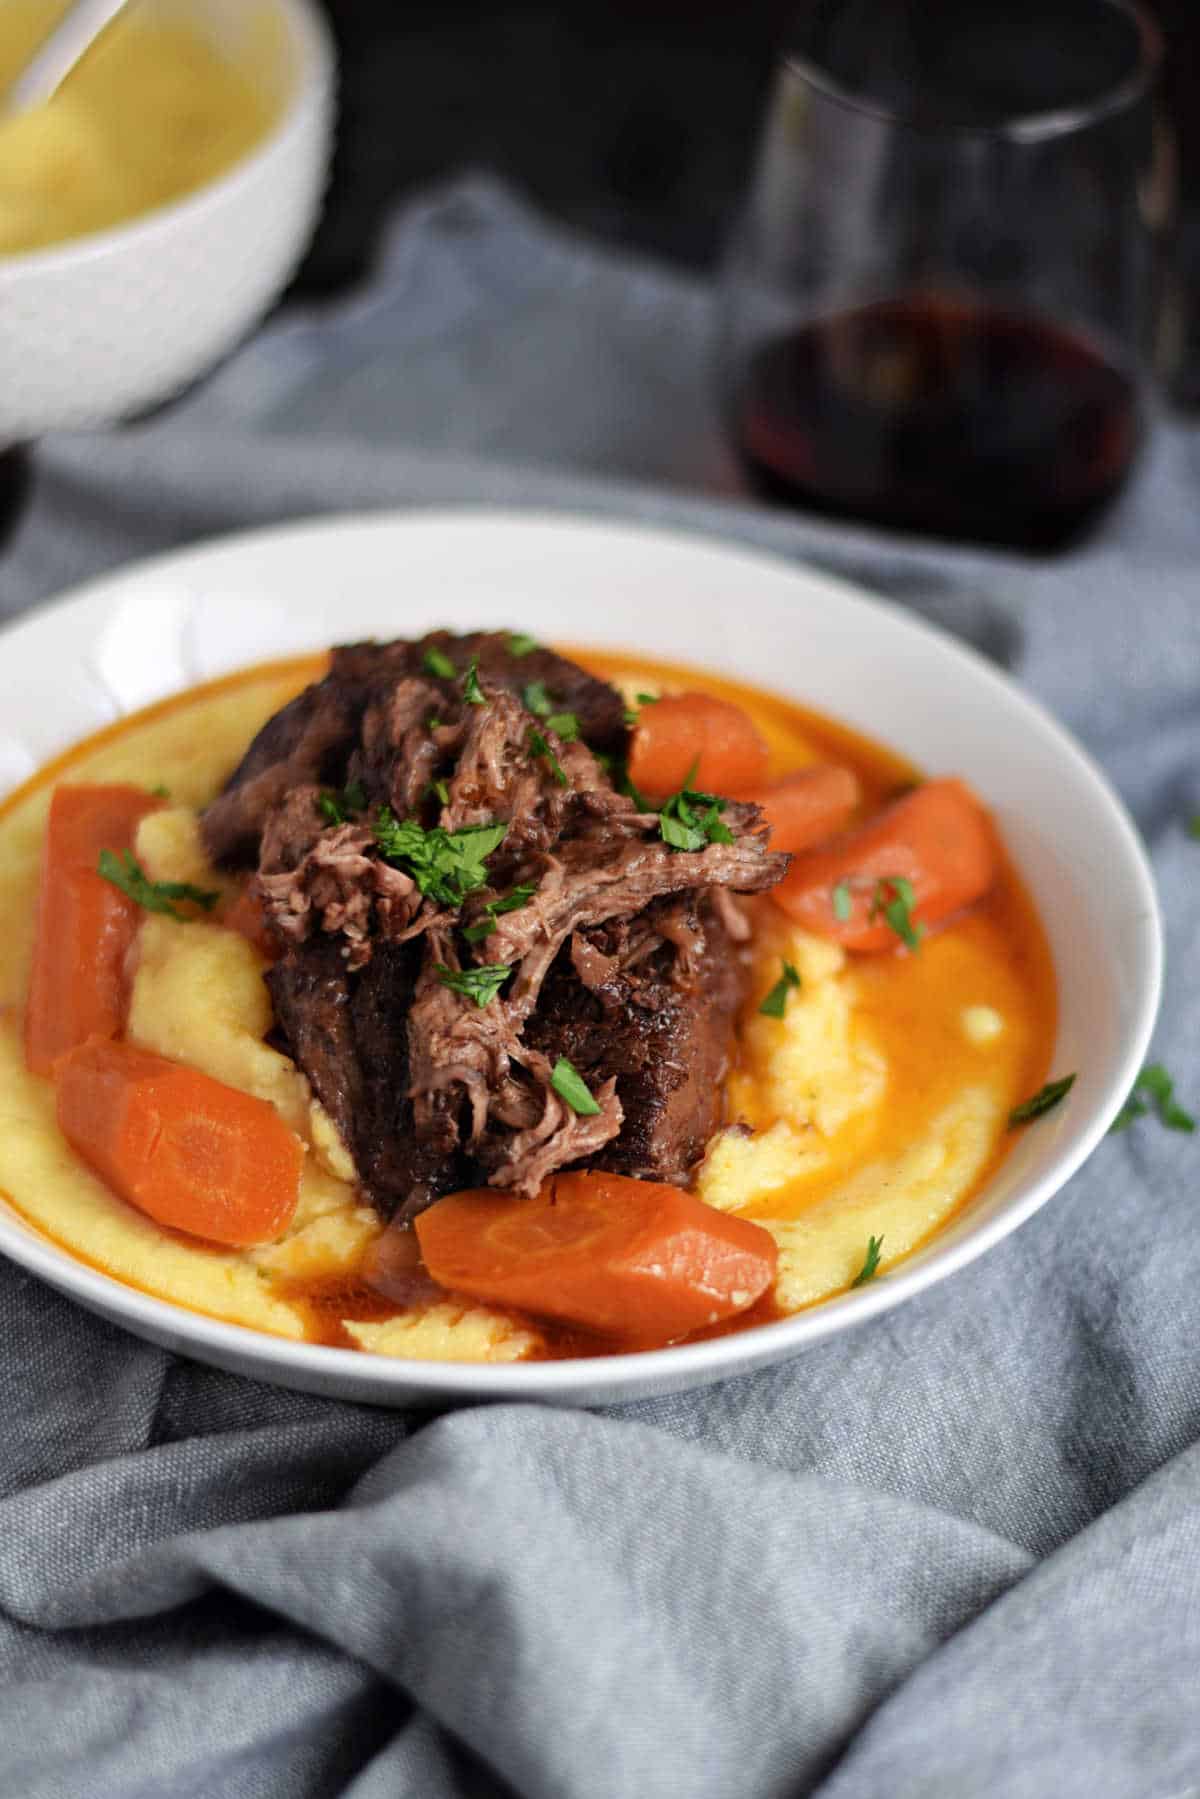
[(645, 1372), (311, 35)]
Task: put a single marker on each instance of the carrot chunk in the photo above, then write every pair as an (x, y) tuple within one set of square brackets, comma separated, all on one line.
[(708, 743), (937, 840), (633, 1259), (190, 1152), (84, 926), (807, 807)]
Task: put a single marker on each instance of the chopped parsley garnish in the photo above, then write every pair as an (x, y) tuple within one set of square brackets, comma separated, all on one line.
[(160, 792), (521, 644), (1194, 825), (894, 897), (626, 786), (870, 1267), (629, 716), (436, 662), (537, 700), (646, 699), (570, 1085), (336, 807), (1159, 1089), (565, 724), (472, 692), (446, 865), (1044, 1100), (438, 790), (512, 902), (125, 872), (538, 747), (775, 1003), (480, 984), (691, 821), (843, 904)]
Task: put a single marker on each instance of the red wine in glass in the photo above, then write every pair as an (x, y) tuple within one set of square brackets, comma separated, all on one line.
[(938, 413)]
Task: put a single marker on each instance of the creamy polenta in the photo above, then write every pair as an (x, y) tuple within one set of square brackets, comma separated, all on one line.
[(872, 1108), (150, 113)]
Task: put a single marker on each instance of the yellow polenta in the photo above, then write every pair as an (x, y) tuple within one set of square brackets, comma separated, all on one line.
[(873, 1107)]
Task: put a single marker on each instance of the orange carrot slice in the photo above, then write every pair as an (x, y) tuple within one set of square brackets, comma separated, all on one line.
[(633, 1259), (246, 916), (807, 807), (938, 840), (190, 1152), (84, 926), (708, 743)]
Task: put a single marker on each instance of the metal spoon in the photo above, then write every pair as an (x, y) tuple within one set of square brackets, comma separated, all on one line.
[(57, 56)]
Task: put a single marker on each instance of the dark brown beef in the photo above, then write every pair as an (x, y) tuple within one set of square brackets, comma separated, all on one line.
[(664, 1035), (346, 1031)]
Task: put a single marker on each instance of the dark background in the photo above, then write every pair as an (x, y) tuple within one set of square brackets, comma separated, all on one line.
[(634, 122)]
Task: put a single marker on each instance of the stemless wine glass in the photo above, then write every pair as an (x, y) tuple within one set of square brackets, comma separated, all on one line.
[(936, 304)]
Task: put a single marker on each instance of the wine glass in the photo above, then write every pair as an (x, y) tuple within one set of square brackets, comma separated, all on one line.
[(936, 304)]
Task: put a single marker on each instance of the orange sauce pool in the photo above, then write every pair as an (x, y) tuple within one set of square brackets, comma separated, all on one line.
[(910, 1001)]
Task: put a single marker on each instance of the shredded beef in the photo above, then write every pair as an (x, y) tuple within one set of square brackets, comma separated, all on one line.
[(622, 961)]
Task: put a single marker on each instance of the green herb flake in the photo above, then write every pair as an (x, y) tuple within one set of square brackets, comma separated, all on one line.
[(570, 1085), (1159, 1089), (472, 692), (690, 820), (843, 903), (512, 902), (625, 785), (870, 1267), (433, 723), (436, 662), (1193, 826), (354, 796), (480, 984), (775, 1003), (646, 699), (537, 700), (630, 717), (438, 790), (895, 899), (330, 808), (521, 644), (160, 792), (125, 872), (565, 725), (1044, 1100), (540, 749), (446, 865)]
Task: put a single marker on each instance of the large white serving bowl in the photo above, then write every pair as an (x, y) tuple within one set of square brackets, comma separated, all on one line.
[(134, 637), (101, 326)]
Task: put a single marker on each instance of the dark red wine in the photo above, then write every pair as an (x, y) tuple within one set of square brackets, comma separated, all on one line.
[(933, 413)]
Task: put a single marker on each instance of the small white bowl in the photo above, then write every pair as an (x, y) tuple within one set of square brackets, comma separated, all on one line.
[(101, 326), (149, 631)]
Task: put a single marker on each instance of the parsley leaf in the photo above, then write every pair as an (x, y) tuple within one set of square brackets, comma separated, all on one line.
[(480, 984), (125, 872), (629, 716), (775, 1003), (626, 786), (1159, 1088), (438, 790), (897, 910), (472, 692), (446, 865), (433, 723), (570, 1085), (330, 808), (160, 792), (538, 747), (521, 644), (336, 807), (512, 902), (1044, 1100), (843, 904), (646, 699), (537, 700), (436, 662), (1193, 828), (691, 821), (566, 724), (870, 1267)]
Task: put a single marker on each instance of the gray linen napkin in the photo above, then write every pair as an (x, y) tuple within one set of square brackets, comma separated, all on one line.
[(953, 1553)]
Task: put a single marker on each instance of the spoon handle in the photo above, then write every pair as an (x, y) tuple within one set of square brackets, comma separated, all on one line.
[(57, 56)]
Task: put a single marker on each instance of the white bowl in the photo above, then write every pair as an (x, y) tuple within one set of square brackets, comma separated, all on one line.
[(135, 636), (103, 325)]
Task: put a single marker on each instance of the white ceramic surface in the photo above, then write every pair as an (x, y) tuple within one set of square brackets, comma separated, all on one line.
[(101, 326), (133, 637)]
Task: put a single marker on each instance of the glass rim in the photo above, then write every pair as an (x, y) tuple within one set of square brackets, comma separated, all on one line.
[(1021, 127)]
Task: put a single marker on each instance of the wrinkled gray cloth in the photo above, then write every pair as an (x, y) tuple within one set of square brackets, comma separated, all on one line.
[(953, 1553)]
